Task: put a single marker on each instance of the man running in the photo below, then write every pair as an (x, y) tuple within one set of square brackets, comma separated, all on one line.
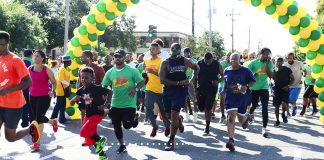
[(14, 78), (310, 95), (125, 81), (262, 69), (173, 77), (211, 73)]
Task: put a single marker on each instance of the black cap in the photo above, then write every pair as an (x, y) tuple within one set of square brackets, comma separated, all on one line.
[(187, 50), (208, 56), (265, 50), (120, 52), (27, 52)]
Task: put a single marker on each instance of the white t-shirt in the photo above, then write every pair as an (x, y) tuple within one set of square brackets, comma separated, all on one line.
[(297, 69), (163, 54), (132, 64)]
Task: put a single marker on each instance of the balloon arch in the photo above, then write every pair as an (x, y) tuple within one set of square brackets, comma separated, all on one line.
[(303, 28)]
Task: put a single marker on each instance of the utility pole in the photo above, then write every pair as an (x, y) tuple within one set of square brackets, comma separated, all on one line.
[(249, 45), (193, 18), (67, 19), (210, 25), (232, 18)]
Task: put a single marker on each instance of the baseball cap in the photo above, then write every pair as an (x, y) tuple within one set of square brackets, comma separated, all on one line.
[(120, 52), (187, 49), (66, 58)]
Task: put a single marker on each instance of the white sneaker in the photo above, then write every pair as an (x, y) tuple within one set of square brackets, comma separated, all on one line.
[(187, 118), (265, 133), (195, 117)]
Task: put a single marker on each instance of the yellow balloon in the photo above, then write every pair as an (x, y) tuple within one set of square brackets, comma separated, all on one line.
[(70, 47), (281, 10), (100, 18), (95, 43), (313, 25), (76, 114), (109, 22), (77, 51), (91, 29), (123, 1), (304, 33), (84, 21), (294, 21), (94, 10), (301, 12), (310, 62), (317, 89), (315, 76), (287, 2), (275, 15), (267, 2), (100, 33), (76, 33), (73, 89), (313, 45), (296, 37), (319, 59), (106, 1), (321, 40), (111, 7), (261, 7), (286, 26), (129, 3), (118, 13), (84, 40), (319, 103), (247, 1), (67, 103), (322, 74), (322, 119), (74, 65), (303, 49)]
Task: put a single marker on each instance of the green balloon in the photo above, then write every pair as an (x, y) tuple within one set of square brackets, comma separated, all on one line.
[(70, 53), (121, 7), (321, 96), (73, 85), (72, 95), (135, 1), (322, 110), (321, 49), (319, 82), (91, 18), (101, 26), (78, 60), (115, 0), (283, 19), (277, 2), (304, 22), (271, 9), (294, 30), (303, 42), (256, 3), (308, 16), (315, 35), (75, 72), (86, 47), (70, 111), (93, 37), (295, 3), (311, 55), (101, 7), (292, 10), (75, 42), (317, 69), (83, 30), (110, 16)]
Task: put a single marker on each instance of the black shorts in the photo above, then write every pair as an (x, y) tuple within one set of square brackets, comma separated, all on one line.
[(280, 96), (174, 98), (39, 106), (123, 116), (309, 92), (206, 98), (10, 117)]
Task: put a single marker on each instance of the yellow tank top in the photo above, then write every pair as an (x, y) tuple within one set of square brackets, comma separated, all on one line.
[(154, 84)]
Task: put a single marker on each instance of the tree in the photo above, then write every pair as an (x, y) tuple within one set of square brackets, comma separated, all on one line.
[(26, 30), (298, 54), (120, 34), (190, 42), (320, 13), (217, 44)]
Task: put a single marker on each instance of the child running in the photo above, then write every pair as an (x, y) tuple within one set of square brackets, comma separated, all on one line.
[(92, 97)]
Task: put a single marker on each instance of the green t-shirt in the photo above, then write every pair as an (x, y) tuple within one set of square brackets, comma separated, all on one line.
[(308, 78), (189, 71), (224, 65), (140, 69), (256, 66), (122, 81)]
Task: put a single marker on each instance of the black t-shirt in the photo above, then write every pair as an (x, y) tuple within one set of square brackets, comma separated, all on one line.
[(207, 74), (92, 97), (106, 68), (281, 77)]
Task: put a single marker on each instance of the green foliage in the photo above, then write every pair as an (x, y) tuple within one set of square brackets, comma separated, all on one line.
[(191, 42), (103, 50), (217, 44), (320, 13), (299, 56), (26, 30)]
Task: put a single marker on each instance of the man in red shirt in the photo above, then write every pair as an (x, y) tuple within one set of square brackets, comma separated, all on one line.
[(14, 78)]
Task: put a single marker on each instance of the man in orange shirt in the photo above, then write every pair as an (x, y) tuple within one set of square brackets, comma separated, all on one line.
[(14, 78)]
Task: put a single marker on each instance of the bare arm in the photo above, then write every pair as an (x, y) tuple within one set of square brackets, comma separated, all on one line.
[(221, 73), (268, 71), (26, 82)]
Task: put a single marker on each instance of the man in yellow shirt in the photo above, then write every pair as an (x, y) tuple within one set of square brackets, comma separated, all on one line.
[(154, 90), (62, 82)]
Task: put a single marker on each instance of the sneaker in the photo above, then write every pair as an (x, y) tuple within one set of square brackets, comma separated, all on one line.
[(181, 127), (251, 118), (288, 114), (195, 117), (169, 146), (83, 144), (101, 144), (121, 149), (102, 157), (265, 133), (206, 132), (230, 145), (277, 123), (302, 113), (284, 118), (135, 123), (153, 133), (167, 131), (55, 125), (213, 115), (314, 111), (187, 119), (245, 124), (142, 109), (222, 119), (294, 111), (35, 147), (34, 132)]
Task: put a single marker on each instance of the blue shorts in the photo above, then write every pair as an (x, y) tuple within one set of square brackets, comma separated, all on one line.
[(174, 98), (238, 103), (293, 94), (10, 117)]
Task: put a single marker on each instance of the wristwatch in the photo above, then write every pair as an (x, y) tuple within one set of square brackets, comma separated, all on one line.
[(136, 89)]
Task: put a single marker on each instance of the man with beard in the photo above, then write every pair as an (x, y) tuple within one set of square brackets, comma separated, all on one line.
[(107, 63)]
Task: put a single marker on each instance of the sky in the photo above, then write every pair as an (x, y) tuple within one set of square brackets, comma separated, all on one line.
[(175, 15)]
